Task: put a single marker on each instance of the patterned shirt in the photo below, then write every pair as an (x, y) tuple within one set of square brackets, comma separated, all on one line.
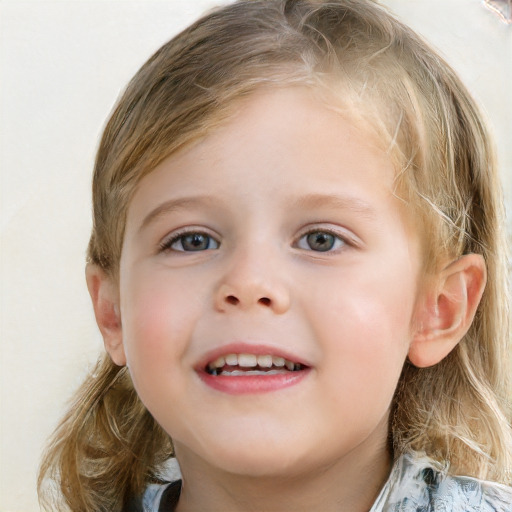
[(415, 484)]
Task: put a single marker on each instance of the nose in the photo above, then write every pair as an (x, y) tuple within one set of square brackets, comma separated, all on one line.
[(253, 282)]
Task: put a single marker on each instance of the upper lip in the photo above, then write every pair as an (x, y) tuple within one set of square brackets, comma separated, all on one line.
[(247, 348)]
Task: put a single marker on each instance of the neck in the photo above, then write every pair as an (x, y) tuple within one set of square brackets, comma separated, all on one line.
[(348, 485)]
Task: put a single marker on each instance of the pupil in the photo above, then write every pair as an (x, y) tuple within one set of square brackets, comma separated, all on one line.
[(195, 242), (321, 241)]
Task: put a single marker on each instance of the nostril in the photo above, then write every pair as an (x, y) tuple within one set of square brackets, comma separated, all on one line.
[(265, 301), (231, 299)]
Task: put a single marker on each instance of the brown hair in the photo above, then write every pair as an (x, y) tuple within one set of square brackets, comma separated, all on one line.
[(108, 446)]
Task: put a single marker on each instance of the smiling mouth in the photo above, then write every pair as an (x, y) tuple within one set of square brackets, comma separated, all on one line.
[(236, 365)]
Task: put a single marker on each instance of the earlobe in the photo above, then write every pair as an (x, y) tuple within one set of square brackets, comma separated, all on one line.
[(447, 310), (105, 300)]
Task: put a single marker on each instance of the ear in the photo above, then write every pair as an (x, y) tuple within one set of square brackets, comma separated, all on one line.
[(105, 300), (445, 313)]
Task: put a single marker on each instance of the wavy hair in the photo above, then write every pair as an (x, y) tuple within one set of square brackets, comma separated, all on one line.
[(379, 72)]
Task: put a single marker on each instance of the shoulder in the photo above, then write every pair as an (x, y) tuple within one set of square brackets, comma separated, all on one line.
[(418, 483)]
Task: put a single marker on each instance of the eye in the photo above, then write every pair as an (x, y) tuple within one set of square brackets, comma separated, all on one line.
[(320, 241), (192, 241)]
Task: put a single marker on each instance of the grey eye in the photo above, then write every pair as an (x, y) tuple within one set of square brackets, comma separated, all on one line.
[(193, 242), (320, 241)]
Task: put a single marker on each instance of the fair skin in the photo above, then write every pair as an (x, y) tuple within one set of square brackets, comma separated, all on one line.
[(282, 237)]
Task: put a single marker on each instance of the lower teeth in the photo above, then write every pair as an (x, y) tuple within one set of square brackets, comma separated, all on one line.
[(236, 373)]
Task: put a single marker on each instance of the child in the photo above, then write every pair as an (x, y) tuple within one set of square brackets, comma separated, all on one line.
[(298, 268)]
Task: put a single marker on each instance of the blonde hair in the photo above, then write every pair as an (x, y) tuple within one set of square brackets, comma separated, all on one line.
[(108, 447)]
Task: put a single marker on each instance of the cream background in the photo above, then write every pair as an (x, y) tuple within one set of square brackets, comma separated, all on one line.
[(62, 65)]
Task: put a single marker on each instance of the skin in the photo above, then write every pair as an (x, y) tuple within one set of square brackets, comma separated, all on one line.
[(284, 166)]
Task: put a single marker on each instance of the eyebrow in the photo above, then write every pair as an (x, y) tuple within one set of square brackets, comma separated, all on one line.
[(173, 205), (309, 201), (336, 202)]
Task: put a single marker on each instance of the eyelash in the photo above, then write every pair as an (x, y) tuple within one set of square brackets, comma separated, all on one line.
[(339, 241), (167, 244)]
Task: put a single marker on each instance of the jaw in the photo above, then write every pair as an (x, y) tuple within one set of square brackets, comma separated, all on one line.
[(293, 482)]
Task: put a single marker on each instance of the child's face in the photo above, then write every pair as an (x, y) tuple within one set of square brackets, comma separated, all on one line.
[(282, 237)]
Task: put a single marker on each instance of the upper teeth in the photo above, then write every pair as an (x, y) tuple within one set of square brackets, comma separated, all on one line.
[(252, 361)]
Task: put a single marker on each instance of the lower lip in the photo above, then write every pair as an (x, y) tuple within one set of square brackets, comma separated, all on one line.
[(252, 384)]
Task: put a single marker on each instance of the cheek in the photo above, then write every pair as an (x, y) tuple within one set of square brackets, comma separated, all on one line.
[(158, 316), (372, 306), (368, 345), (365, 329), (363, 364)]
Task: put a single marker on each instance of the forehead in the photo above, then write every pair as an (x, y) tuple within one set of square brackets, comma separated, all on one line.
[(285, 143)]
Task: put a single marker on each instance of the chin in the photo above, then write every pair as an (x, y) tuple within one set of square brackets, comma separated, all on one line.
[(248, 453), (267, 456)]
